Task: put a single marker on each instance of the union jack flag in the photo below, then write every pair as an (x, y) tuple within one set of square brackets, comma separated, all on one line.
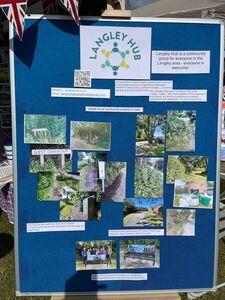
[(72, 7), (49, 7), (15, 12)]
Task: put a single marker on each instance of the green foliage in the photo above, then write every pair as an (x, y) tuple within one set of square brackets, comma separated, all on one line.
[(56, 126), (93, 133), (175, 169), (180, 131), (45, 186), (96, 244), (148, 181), (129, 207), (177, 218)]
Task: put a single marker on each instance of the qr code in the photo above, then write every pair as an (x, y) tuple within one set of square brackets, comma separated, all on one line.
[(82, 78)]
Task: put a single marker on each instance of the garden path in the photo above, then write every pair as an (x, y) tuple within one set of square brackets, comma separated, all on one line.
[(91, 183), (79, 144), (137, 219), (116, 192)]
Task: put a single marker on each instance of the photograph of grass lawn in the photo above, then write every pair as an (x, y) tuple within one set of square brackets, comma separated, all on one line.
[(148, 182), (150, 135), (44, 129), (115, 182), (143, 212), (195, 194), (186, 168), (180, 130), (96, 255), (139, 254), (180, 222), (87, 167), (90, 136), (50, 158)]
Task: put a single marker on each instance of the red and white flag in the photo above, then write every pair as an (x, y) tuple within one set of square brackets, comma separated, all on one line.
[(15, 12), (72, 7)]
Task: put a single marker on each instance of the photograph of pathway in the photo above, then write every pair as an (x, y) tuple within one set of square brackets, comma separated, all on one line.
[(143, 212), (87, 167), (115, 182), (90, 135)]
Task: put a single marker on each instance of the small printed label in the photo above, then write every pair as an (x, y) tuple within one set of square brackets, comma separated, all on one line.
[(55, 226), (136, 232), (179, 96), (113, 109), (50, 151), (140, 87), (119, 276), (79, 93)]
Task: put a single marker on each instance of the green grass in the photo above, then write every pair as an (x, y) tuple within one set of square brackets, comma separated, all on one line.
[(7, 271)]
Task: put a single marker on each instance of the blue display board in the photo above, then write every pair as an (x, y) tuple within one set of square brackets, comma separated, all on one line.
[(46, 262)]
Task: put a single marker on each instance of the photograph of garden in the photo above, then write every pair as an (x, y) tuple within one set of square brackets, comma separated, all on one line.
[(115, 182), (186, 168), (196, 194), (180, 222), (148, 177), (137, 254), (44, 129), (180, 130), (90, 136), (96, 255), (143, 212), (87, 167), (150, 135), (50, 158)]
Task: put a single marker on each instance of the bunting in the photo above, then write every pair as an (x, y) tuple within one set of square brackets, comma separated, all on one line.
[(72, 7), (15, 12)]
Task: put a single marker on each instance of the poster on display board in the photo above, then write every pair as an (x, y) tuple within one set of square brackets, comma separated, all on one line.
[(116, 128)]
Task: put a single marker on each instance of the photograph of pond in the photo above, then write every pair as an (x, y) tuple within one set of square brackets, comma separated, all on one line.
[(196, 194), (113, 187), (87, 167), (180, 222), (186, 168), (143, 212), (50, 158), (95, 255), (180, 130), (44, 129), (148, 181), (138, 254), (150, 135), (90, 136)]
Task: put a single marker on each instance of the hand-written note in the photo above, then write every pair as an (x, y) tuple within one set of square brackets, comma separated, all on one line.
[(181, 62), (120, 276)]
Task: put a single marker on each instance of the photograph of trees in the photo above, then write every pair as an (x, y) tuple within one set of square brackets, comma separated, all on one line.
[(90, 136), (137, 254), (148, 181), (50, 162), (180, 222), (44, 129), (87, 167), (195, 194), (143, 212), (115, 182), (186, 168), (150, 135), (96, 255), (180, 130)]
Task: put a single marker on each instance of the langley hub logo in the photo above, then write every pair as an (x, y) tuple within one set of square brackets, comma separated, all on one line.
[(116, 52)]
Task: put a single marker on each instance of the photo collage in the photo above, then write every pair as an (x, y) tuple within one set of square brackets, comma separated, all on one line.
[(97, 180)]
